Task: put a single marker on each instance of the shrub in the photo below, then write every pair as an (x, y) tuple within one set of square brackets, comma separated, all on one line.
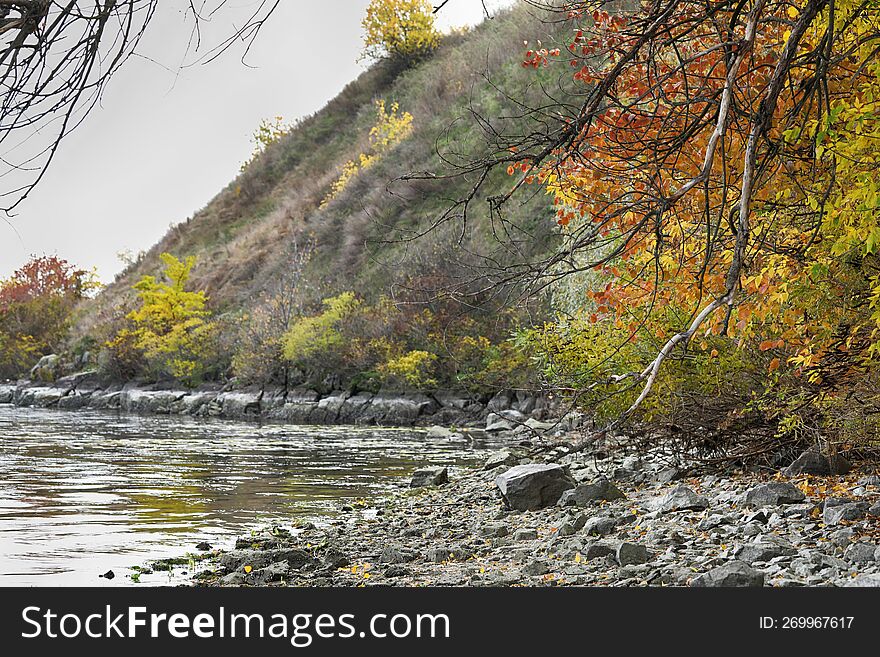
[(413, 369), (402, 29)]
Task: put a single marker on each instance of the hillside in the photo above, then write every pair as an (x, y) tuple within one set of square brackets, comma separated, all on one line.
[(243, 240)]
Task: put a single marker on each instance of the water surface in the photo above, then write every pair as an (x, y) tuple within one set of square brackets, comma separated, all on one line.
[(82, 493)]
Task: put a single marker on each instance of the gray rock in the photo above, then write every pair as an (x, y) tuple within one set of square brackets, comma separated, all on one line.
[(573, 526), (773, 494), (397, 571), (681, 498), (533, 486), (537, 567), (494, 531), (813, 462), (874, 509), (440, 432), (842, 537), (598, 549), (504, 420), (334, 559), (629, 554), (504, 456), (848, 512), (584, 494), (762, 551), (861, 553), (391, 554), (732, 573), (429, 477), (870, 480), (256, 559), (274, 572), (667, 475), (525, 535), (438, 554), (864, 580), (601, 526)]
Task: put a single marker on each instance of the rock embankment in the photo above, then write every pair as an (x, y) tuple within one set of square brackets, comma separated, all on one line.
[(504, 411), (579, 520)]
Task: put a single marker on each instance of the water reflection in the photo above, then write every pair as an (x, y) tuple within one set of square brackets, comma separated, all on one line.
[(81, 493)]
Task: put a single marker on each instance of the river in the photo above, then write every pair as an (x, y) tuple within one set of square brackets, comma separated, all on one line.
[(82, 493)]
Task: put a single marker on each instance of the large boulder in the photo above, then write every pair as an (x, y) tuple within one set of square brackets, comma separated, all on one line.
[(814, 462), (534, 485), (733, 573), (773, 494)]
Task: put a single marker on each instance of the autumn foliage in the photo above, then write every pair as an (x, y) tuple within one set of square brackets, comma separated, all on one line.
[(719, 183), (36, 303), (403, 29)]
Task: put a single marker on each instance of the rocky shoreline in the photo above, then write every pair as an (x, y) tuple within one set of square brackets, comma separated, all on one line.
[(501, 412), (579, 519)]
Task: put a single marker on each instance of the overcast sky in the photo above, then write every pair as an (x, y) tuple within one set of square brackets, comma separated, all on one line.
[(165, 140)]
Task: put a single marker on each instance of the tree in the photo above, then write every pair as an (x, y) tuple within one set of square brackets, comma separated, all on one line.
[(718, 182), (403, 29), (170, 329), (36, 303), (57, 58)]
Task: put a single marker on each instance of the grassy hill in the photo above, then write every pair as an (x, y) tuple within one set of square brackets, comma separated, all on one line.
[(362, 240)]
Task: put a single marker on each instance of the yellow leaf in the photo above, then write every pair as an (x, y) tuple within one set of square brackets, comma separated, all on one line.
[(792, 12), (248, 569)]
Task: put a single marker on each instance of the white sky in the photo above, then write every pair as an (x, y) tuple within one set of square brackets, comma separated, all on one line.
[(166, 140)]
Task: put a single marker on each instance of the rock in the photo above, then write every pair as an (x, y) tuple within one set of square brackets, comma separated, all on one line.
[(583, 494), (274, 572), (501, 457), (256, 559), (573, 526), (391, 554), (204, 546), (525, 535), (537, 425), (494, 531), (773, 494), (537, 567), (601, 526), (762, 551), (861, 553), (397, 571), (874, 509), (440, 432), (865, 579), (334, 559), (533, 486), (502, 401), (870, 480), (429, 477), (667, 475), (813, 462), (681, 498), (108, 575), (629, 554), (842, 537), (733, 573), (598, 549), (504, 420), (438, 554), (834, 515)]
